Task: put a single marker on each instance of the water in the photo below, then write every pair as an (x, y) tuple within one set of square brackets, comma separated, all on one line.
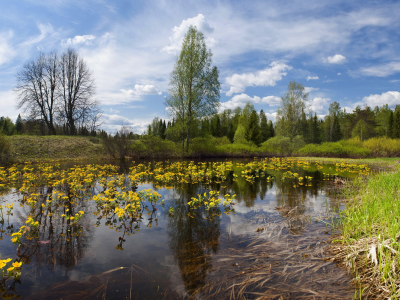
[(273, 243)]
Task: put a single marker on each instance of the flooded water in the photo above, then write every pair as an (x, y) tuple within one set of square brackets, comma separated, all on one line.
[(266, 242)]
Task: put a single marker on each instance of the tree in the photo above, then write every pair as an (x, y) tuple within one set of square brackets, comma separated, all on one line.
[(289, 113), (194, 85), (253, 129), (396, 124), (19, 125), (60, 89), (76, 90), (361, 130), (36, 89), (334, 134), (264, 128)]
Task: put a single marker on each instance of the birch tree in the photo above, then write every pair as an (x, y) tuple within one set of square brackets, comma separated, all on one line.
[(290, 110), (194, 85)]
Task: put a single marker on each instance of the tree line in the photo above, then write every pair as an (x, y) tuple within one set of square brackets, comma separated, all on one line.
[(57, 94)]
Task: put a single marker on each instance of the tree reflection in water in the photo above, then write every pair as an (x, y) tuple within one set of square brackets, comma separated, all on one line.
[(193, 238)]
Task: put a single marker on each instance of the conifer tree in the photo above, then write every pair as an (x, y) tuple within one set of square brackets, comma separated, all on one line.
[(19, 125), (264, 128), (396, 124), (390, 127), (253, 129)]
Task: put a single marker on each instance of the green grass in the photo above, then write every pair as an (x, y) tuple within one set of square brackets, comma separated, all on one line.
[(383, 162), (44, 148), (371, 227)]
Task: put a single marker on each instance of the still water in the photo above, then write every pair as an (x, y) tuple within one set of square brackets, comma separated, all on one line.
[(269, 242)]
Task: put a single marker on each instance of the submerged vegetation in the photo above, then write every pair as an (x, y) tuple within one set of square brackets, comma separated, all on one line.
[(67, 198)]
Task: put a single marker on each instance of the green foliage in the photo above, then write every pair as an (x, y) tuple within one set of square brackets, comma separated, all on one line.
[(253, 133), (209, 146), (396, 124), (280, 145), (19, 125), (383, 147), (349, 148), (7, 126), (203, 146), (277, 145), (194, 84), (240, 134), (361, 130), (239, 149), (288, 119), (154, 147)]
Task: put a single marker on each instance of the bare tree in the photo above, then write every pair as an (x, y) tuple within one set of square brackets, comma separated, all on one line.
[(36, 89), (76, 91)]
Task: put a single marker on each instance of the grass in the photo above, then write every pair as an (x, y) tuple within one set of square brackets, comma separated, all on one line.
[(45, 148), (382, 162), (370, 241)]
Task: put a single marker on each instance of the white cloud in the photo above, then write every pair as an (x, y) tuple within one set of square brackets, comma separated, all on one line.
[(310, 89), (147, 89), (124, 96), (379, 70), (319, 105), (8, 100), (6, 50), (112, 123), (339, 74), (336, 59), (78, 39), (312, 78), (266, 77), (242, 99), (391, 98), (179, 32), (45, 32), (395, 80)]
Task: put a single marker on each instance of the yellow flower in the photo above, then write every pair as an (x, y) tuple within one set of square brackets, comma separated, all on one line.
[(10, 269), (17, 264)]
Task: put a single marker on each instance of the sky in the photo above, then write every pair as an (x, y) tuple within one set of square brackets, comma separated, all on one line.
[(344, 51)]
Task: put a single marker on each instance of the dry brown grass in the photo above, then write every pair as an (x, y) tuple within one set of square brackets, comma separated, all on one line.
[(40, 148)]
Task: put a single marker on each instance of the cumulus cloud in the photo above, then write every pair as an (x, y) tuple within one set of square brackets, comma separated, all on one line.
[(379, 70), (308, 89), (266, 77), (179, 32), (336, 59), (147, 89), (242, 99), (391, 98), (319, 105), (113, 122), (78, 39), (312, 78)]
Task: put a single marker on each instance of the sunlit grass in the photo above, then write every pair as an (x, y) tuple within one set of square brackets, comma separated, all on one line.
[(371, 234)]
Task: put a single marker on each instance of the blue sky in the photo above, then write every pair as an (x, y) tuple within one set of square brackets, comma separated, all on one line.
[(344, 51)]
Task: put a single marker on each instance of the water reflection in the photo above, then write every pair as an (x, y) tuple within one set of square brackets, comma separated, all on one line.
[(192, 240), (60, 248)]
